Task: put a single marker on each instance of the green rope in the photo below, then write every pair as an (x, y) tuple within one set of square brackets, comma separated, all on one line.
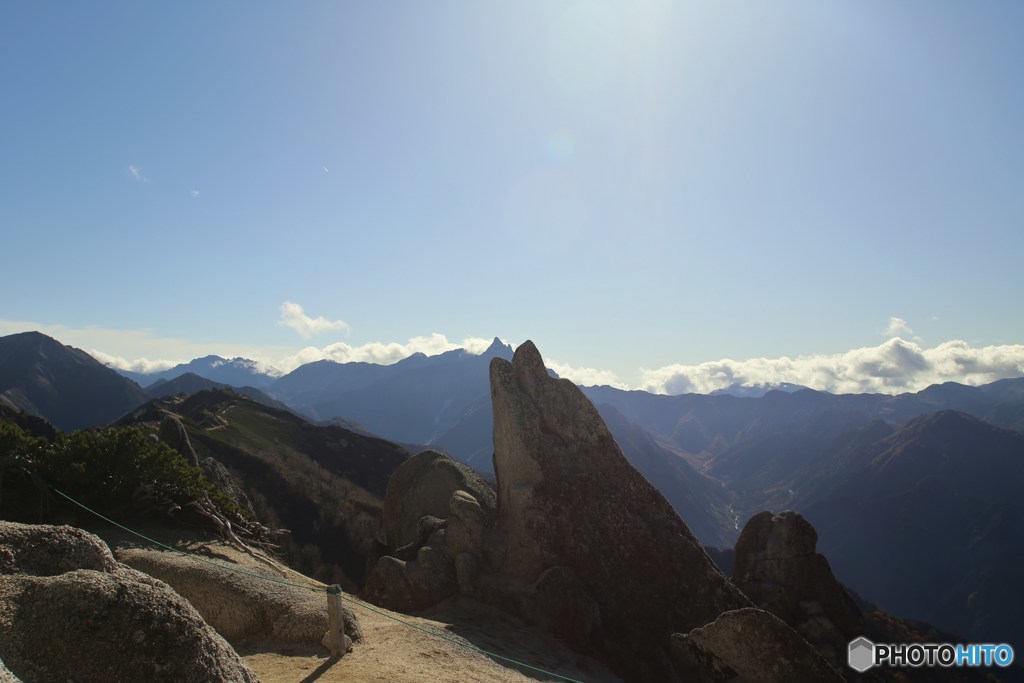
[(330, 590), (186, 553)]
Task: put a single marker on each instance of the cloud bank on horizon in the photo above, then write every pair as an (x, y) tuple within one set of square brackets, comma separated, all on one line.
[(894, 366)]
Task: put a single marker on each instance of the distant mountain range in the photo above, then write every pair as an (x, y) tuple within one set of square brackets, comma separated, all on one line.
[(756, 390), (236, 372), (191, 383), (915, 496)]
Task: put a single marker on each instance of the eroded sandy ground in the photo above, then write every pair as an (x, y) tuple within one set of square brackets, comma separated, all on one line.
[(394, 652), (391, 651)]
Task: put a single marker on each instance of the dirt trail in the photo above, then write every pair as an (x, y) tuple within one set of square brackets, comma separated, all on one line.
[(394, 652), (391, 651)]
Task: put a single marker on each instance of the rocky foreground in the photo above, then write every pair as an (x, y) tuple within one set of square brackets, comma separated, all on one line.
[(576, 565)]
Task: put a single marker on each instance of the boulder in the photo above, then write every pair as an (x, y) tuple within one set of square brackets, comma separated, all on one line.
[(748, 646), (99, 623), (778, 568), (44, 550), (412, 585), (240, 606), (423, 485)]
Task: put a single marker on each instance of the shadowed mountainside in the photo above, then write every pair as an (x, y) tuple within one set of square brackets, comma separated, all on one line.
[(928, 522), (191, 383), (64, 385)]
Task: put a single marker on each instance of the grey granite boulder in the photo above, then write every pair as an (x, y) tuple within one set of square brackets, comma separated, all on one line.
[(423, 485), (103, 622)]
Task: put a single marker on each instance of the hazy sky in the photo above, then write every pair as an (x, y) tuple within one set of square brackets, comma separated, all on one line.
[(634, 186)]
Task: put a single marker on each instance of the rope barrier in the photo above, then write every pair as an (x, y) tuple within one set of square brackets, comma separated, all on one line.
[(186, 553), (329, 590)]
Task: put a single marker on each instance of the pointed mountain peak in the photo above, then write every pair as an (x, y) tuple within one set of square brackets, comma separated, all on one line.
[(498, 349)]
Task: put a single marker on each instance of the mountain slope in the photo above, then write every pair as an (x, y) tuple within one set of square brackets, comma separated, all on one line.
[(191, 383), (62, 384), (928, 522), (324, 484)]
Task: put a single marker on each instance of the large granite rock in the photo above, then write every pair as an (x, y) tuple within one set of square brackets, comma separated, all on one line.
[(568, 497), (581, 544), (748, 646), (100, 622), (423, 486), (239, 605), (777, 566)]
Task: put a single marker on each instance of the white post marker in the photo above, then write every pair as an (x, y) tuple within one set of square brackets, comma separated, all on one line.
[(334, 616)]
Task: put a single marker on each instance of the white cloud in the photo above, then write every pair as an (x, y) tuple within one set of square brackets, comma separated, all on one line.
[(143, 365), (294, 317), (587, 377), (380, 352), (193, 193), (136, 172), (893, 367), (140, 349), (143, 351), (897, 327)]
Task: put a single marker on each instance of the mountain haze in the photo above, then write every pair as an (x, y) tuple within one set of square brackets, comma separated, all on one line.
[(235, 372)]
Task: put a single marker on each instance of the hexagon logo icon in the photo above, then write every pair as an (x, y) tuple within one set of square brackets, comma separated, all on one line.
[(861, 654)]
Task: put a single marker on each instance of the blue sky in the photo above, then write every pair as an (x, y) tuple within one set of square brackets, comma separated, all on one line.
[(635, 186)]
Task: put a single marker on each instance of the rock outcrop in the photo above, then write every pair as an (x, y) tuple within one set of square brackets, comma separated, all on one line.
[(219, 476), (432, 512), (569, 499), (6, 675), (748, 646), (423, 485), (581, 544), (241, 607), (777, 566), (173, 433), (69, 611)]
